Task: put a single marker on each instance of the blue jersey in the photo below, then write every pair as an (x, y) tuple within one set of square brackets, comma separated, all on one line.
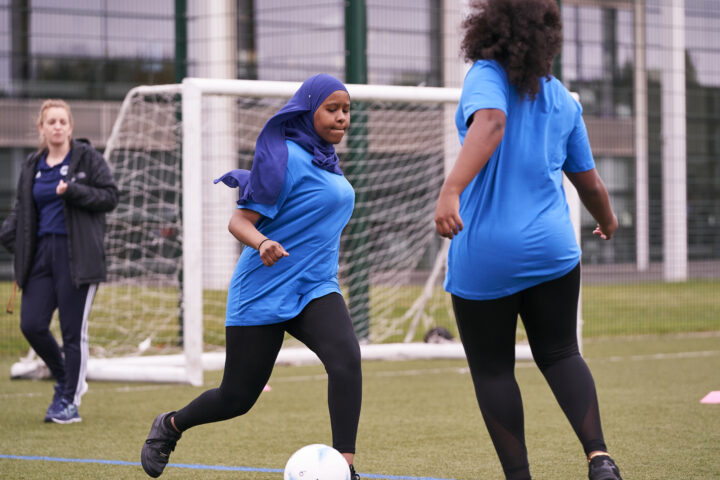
[(517, 229), (313, 208), (51, 219)]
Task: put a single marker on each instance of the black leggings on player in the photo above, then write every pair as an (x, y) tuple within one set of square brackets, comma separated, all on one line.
[(487, 329), (325, 327)]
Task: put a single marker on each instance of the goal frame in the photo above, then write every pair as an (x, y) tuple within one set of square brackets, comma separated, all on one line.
[(192, 91)]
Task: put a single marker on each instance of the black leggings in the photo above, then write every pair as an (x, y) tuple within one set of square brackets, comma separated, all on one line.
[(487, 329), (325, 327)]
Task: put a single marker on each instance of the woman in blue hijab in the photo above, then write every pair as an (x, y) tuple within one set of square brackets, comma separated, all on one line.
[(293, 205)]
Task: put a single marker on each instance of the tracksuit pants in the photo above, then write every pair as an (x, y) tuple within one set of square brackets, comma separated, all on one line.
[(50, 287)]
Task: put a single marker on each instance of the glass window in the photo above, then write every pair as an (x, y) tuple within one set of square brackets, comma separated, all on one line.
[(598, 56), (99, 49), (5, 46), (10, 161), (400, 46), (295, 40)]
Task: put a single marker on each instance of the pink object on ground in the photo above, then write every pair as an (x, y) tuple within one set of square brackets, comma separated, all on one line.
[(712, 397), (267, 388)]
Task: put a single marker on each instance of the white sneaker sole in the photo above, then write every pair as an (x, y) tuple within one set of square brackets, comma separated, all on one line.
[(65, 422)]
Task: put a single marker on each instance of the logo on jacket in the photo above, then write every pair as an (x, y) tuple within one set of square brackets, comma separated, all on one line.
[(63, 170), (37, 175)]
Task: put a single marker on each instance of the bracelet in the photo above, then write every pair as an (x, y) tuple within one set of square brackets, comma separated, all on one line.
[(260, 244)]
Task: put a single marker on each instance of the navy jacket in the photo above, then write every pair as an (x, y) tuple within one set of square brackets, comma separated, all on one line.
[(90, 194)]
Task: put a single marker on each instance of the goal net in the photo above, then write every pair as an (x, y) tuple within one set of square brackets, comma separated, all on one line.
[(160, 316)]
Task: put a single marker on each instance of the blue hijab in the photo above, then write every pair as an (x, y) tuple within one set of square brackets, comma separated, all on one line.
[(294, 121)]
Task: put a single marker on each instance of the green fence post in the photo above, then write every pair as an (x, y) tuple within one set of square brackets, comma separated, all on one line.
[(557, 61), (356, 72), (180, 40), (180, 73)]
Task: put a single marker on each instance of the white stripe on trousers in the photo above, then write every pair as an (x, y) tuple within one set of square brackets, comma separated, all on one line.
[(81, 386)]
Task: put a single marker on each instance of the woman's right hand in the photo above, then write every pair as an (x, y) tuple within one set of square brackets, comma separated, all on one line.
[(271, 251), (484, 134), (447, 215)]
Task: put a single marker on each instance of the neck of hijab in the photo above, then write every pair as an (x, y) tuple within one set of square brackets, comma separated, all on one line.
[(294, 121)]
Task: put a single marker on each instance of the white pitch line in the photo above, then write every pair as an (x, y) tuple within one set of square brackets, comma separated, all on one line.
[(395, 373), (662, 356), (124, 389)]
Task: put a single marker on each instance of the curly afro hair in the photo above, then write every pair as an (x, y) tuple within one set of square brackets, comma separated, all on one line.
[(522, 35)]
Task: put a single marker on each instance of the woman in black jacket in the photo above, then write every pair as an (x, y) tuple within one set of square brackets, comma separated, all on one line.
[(56, 232)]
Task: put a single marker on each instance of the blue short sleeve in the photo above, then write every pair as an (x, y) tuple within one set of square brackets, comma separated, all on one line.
[(270, 211), (579, 155), (486, 86)]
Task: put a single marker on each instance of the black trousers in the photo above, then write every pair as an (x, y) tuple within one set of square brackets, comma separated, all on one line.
[(49, 287), (325, 327), (549, 314)]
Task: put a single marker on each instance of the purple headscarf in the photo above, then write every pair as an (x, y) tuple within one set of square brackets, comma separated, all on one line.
[(294, 121)]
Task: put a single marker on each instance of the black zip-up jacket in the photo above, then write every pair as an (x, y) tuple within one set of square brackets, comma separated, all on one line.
[(91, 192)]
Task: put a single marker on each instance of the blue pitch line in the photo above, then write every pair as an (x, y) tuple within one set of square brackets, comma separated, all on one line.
[(196, 466)]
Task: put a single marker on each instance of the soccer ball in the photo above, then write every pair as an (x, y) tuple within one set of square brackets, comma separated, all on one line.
[(317, 462)]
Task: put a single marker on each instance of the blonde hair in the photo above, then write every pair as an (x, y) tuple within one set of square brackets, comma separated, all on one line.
[(52, 103)]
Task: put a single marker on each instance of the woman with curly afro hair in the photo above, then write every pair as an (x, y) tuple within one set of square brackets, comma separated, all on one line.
[(513, 251)]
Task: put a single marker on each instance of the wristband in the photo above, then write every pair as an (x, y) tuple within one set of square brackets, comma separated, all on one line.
[(260, 244)]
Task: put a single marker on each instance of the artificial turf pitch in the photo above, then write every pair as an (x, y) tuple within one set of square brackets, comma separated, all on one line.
[(419, 421)]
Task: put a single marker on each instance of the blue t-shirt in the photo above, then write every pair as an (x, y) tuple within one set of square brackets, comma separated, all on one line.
[(51, 219), (517, 229), (313, 208)]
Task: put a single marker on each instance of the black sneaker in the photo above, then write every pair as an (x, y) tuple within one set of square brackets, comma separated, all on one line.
[(602, 467), (160, 442), (353, 475)]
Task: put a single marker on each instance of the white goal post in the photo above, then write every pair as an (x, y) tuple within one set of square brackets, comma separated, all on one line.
[(160, 316)]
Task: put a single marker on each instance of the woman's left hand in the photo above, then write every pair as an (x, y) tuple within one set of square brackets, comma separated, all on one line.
[(606, 231), (271, 251)]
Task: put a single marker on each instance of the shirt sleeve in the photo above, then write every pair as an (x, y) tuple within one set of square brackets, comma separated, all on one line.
[(579, 154), (485, 86), (270, 211)]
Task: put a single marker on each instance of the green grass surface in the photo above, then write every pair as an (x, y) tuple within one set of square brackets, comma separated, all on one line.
[(608, 310), (651, 308), (419, 419)]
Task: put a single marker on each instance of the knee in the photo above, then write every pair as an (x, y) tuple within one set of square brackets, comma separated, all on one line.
[(70, 347), (238, 402), (33, 330), (345, 365), (71, 338), (547, 359)]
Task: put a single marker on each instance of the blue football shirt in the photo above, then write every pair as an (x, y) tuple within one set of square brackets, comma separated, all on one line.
[(517, 229), (313, 208)]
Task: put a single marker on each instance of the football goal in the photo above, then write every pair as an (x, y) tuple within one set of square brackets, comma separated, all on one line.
[(160, 316)]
